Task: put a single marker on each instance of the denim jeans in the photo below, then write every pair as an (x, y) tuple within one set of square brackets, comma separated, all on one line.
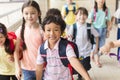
[(102, 36), (29, 75)]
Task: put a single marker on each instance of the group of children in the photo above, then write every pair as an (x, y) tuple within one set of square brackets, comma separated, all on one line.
[(45, 54)]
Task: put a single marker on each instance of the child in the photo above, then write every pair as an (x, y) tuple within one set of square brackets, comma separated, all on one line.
[(68, 13), (100, 18), (117, 15), (54, 11), (53, 27), (81, 37), (30, 33), (7, 66)]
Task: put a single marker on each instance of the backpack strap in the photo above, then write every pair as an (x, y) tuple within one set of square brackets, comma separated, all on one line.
[(62, 51), (43, 52), (74, 32), (67, 10), (94, 16), (90, 35)]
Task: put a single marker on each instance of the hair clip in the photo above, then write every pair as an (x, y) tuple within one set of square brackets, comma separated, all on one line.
[(1, 30)]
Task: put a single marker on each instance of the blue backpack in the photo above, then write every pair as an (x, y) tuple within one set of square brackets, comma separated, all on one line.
[(67, 10), (90, 35), (62, 53)]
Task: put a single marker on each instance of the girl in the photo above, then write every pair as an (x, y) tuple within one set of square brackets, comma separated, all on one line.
[(81, 38), (30, 33), (100, 18), (7, 66), (53, 27)]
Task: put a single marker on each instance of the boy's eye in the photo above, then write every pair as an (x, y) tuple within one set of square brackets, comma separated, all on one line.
[(48, 30)]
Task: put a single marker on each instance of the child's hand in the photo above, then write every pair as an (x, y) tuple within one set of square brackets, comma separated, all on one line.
[(18, 73), (11, 59)]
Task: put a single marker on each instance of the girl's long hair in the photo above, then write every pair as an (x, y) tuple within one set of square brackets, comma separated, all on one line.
[(3, 30), (96, 6), (36, 6)]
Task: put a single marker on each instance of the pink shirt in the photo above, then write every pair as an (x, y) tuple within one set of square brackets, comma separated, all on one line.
[(33, 39), (55, 70)]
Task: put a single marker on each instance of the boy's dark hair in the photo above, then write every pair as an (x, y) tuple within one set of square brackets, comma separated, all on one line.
[(54, 19), (96, 6), (54, 12), (82, 11), (3, 30), (36, 6)]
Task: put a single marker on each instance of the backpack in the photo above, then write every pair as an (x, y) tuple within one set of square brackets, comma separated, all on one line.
[(90, 35), (67, 10), (62, 53), (94, 16), (12, 37)]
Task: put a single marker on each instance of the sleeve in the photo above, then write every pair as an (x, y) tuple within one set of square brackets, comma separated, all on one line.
[(109, 15), (39, 60), (94, 32), (117, 13), (70, 52)]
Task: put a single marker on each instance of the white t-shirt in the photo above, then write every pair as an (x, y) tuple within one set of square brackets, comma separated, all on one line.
[(84, 45)]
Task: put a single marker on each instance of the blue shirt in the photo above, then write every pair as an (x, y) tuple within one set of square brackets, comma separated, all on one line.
[(101, 18)]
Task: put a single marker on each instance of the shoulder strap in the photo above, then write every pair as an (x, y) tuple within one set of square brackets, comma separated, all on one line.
[(67, 10), (74, 32), (43, 52), (62, 51), (94, 14), (90, 36), (106, 12)]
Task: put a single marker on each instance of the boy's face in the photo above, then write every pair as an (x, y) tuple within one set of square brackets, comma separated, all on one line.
[(81, 18), (52, 32)]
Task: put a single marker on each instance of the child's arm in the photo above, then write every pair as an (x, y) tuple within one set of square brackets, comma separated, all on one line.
[(106, 48), (17, 61), (79, 68), (39, 71)]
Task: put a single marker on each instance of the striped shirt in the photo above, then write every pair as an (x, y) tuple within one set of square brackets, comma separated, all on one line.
[(55, 70)]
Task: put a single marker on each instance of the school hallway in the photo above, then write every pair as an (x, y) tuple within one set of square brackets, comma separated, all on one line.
[(12, 19), (110, 69)]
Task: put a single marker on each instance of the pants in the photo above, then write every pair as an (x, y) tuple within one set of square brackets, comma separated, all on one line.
[(29, 75), (86, 64), (7, 77)]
